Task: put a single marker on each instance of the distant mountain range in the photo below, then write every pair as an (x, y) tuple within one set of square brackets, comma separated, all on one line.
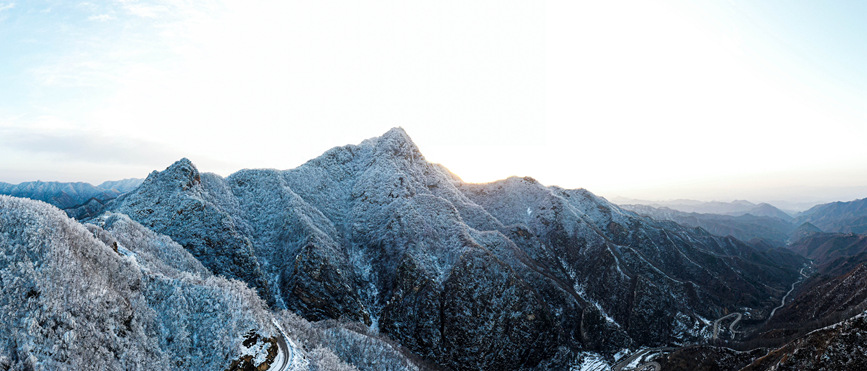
[(79, 200), (733, 208), (374, 258), (842, 217), (746, 227), (121, 186), (763, 222), (62, 195)]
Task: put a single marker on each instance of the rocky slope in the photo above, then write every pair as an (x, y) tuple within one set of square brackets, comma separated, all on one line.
[(185, 206), (820, 327), (823, 248), (837, 347), (835, 289), (500, 275), (115, 295)]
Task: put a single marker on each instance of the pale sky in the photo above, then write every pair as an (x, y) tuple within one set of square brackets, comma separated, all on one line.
[(757, 100)]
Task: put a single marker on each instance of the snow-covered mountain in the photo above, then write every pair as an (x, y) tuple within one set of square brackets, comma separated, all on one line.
[(369, 257), (113, 296), (62, 195), (499, 275), (79, 200), (121, 186)]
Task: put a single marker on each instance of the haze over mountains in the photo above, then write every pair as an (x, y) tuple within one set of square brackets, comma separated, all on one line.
[(735, 208), (427, 270), (79, 200), (762, 223), (67, 195)]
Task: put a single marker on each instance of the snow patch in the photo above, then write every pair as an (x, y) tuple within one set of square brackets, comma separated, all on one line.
[(259, 351), (591, 362)]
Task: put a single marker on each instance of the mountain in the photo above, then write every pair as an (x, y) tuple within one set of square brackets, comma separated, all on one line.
[(176, 203), (115, 296), (837, 347), (734, 208), (79, 200), (121, 186), (837, 287), (824, 248), (819, 326), (503, 275), (62, 195), (746, 227), (767, 210), (804, 230), (694, 206), (838, 217)]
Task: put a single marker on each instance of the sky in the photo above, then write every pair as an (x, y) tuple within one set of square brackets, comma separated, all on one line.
[(708, 100)]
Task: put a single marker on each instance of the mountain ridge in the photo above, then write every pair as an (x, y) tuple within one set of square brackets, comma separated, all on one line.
[(840, 217), (375, 233), (399, 262), (80, 200)]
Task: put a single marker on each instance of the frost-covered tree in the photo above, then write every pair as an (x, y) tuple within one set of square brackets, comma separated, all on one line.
[(113, 296), (350, 343)]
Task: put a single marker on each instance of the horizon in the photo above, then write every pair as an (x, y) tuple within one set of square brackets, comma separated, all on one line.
[(788, 205), (675, 100)]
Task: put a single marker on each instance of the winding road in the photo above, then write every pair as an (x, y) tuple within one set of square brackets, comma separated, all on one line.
[(731, 326), (290, 359), (783, 302), (645, 366), (649, 365), (620, 365)]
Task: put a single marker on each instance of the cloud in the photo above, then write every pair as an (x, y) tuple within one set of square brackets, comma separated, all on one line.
[(52, 149), (83, 146), (146, 11), (101, 17), (4, 7)]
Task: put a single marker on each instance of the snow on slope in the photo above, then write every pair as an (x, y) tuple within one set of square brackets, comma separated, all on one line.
[(459, 273), (112, 296), (62, 195)]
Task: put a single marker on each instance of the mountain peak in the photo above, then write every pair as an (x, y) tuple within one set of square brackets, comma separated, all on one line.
[(396, 135), (182, 171), (396, 142), (183, 162), (397, 131)]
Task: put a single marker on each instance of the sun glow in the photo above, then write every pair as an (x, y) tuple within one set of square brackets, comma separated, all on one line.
[(629, 98)]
